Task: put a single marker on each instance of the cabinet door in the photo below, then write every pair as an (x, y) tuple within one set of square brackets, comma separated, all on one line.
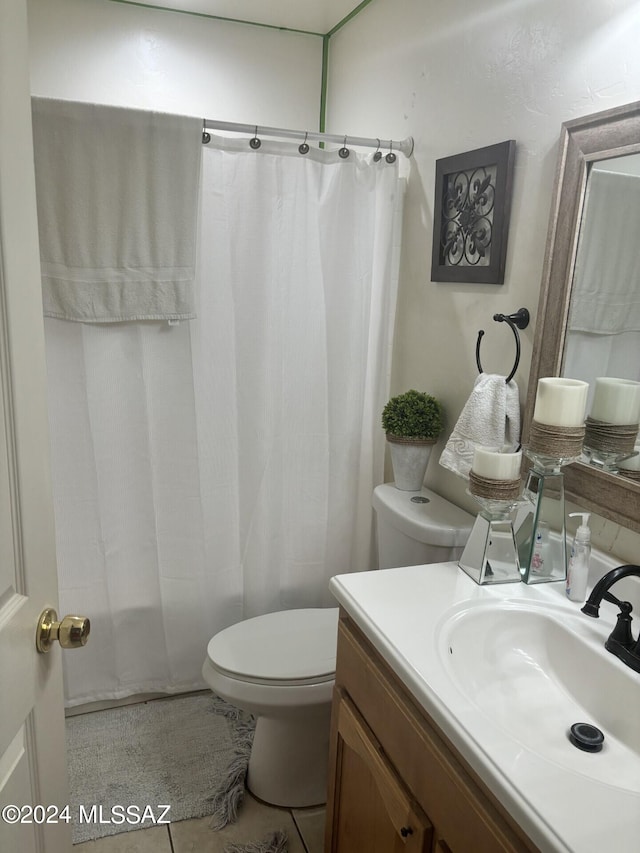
[(372, 810)]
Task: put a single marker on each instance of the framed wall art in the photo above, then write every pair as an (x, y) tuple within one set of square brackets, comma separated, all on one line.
[(471, 215)]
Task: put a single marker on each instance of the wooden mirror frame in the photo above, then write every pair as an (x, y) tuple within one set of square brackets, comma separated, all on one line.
[(583, 141)]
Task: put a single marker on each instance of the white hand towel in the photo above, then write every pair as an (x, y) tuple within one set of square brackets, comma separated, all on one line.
[(490, 418), (117, 194)]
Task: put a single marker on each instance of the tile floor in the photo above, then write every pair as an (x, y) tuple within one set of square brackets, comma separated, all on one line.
[(304, 829)]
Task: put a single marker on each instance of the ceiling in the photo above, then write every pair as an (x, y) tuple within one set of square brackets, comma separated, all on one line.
[(316, 16)]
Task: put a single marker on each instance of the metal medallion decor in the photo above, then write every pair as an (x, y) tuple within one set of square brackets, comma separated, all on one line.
[(471, 215)]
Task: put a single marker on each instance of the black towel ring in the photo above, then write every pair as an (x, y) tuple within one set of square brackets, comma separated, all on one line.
[(520, 320)]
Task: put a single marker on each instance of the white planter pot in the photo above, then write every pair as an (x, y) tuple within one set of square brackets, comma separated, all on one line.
[(409, 460)]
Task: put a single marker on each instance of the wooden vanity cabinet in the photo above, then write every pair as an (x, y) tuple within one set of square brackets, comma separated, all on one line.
[(376, 811), (395, 782)]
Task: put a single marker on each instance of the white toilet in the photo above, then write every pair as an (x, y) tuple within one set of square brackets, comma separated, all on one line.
[(280, 667), (413, 528)]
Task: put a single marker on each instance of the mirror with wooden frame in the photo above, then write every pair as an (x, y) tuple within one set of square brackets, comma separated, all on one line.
[(583, 142)]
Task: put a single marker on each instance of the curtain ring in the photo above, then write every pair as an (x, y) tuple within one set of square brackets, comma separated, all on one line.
[(344, 151), (206, 137), (378, 155), (255, 142), (391, 157), (303, 148)]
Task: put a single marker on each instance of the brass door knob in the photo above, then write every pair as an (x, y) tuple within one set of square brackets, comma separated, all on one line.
[(72, 632)]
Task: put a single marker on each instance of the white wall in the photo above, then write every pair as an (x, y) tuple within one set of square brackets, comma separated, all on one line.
[(114, 53), (457, 76)]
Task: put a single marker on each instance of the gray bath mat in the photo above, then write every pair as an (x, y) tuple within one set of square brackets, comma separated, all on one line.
[(189, 753), (275, 842)]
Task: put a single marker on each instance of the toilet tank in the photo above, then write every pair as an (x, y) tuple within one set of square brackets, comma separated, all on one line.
[(413, 528)]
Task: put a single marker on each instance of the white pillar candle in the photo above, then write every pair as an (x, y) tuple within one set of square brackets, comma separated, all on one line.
[(560, 402), (493, 465), (616, 401)]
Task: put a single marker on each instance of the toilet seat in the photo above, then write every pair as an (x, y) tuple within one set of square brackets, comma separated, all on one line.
[(287, 648)]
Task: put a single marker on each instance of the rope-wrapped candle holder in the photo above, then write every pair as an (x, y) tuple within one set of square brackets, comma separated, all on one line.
[(491, 554), (494, 490), (608, 444), (630, 466), (612, 427), (555, 439), (553, 442)]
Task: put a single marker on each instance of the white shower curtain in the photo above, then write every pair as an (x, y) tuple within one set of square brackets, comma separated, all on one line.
[(221, 468), (603, 329)]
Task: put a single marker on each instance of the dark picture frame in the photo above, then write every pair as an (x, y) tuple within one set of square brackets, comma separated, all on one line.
[(471, 215)]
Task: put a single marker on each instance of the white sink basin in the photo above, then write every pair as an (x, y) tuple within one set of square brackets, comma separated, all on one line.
[(504, 671), (534, 670)]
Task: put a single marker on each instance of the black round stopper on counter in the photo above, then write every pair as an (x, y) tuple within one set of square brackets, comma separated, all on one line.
[(586, 737)]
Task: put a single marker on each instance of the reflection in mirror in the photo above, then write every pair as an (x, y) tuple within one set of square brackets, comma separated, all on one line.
[(602, 344), (603, 328), (589, 311)]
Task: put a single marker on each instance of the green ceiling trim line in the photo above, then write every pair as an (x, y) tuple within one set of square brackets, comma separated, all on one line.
[(217, 18), (323, 87), (349, 17)]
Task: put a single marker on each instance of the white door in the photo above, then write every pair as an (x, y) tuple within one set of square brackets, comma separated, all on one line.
[(32, 749)]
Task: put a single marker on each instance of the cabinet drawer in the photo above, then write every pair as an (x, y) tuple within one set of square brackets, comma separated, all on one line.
[(456, 801)]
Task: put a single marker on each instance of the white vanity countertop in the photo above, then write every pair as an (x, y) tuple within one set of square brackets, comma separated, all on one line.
[(553, 796)]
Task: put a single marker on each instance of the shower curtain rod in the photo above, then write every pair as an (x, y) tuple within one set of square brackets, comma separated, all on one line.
[(405, 146)]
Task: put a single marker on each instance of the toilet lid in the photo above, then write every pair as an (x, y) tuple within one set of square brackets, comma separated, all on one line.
[(291, 645)]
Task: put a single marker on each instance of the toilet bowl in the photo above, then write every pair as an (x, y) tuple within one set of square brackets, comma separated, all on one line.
[(280, 667)]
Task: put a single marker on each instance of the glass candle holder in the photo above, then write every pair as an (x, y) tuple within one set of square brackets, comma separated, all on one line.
[(607, 444), (491, 553), (543, 556)]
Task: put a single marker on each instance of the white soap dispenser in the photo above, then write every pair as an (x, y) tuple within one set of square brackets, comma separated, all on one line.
[(578, 571)]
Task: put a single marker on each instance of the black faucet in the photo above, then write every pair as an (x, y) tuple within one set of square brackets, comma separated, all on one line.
[(620, 643)]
